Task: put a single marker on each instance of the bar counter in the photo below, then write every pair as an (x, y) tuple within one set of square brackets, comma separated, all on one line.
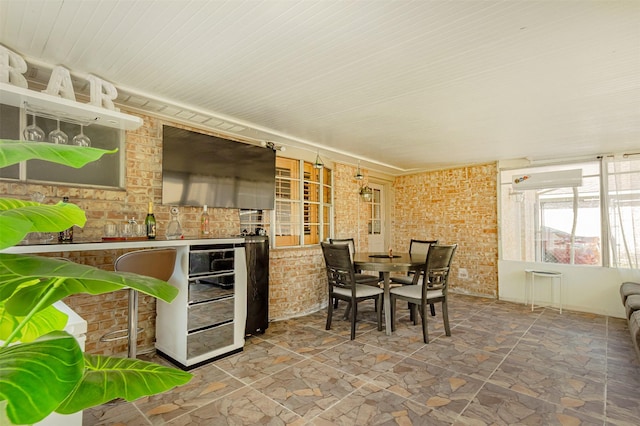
[(115, 245)]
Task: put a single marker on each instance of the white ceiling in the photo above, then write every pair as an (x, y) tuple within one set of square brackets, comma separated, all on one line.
[(402, 85)]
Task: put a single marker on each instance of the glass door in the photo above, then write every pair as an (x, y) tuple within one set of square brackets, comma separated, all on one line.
[(375, 219)]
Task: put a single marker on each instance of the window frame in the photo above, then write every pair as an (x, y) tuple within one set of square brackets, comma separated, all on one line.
[(308, 208), (505, 190)]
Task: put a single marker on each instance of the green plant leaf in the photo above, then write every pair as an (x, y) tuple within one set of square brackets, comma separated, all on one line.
[(26, 279), (36, 377), (12, 152), (18, 218), (107, 378), (47, 320)]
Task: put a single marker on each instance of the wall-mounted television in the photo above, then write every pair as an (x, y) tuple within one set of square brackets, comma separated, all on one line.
[(199, 169)]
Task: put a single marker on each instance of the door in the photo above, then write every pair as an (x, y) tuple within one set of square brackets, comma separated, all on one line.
[(375, 219)]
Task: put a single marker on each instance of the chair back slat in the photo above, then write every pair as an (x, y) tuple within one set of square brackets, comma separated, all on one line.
[(438, 266), (420, 246), (349, 242)]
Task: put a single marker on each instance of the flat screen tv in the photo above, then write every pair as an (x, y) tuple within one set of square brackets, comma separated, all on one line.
[(199, 169)]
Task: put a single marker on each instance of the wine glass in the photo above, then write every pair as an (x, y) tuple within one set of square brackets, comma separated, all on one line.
[(32, 132), (81, 139), (58, 136)]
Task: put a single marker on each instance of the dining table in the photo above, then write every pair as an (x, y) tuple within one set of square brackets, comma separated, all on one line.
[(385, 264)]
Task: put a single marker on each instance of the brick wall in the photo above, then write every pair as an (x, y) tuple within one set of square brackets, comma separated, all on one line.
[(350, 216), (298, 282), (455, 206)]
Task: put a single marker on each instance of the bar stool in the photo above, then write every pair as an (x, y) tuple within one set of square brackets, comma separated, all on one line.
[(551, 275), (155, 263)]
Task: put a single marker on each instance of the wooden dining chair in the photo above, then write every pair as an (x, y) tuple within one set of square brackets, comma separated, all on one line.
[(341, 277), (361, 278), (416, 247), (435, 276)]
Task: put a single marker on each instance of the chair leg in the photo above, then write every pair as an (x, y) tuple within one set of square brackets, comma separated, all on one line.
[(425, 329), (412, 313), (445, 317), (335, 303), (433, 310), (392, 301), (354, 312), (330, 312), (347, 312), (379, 312)]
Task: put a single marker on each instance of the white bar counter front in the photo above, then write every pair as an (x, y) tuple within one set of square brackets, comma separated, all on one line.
[(182, 335)]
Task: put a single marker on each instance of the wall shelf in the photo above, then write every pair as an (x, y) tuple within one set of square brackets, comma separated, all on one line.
[(64, 109)]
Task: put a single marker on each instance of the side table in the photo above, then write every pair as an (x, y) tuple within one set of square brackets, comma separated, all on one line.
[(552, 276)]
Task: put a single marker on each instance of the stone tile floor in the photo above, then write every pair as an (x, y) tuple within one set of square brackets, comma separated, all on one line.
[(503, 365)]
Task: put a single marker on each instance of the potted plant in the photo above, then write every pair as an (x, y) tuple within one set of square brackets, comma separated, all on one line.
[(42, 368)]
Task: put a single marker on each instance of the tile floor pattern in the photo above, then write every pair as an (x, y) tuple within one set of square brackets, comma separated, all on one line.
[(503, 365)]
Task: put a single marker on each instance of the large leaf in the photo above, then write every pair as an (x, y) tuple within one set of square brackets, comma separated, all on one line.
[(12, 152), (36, 377), (107, 378), (26, 279), (45, 321), (18, 218)]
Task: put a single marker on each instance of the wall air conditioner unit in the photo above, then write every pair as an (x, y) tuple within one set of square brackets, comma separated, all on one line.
[(544, 180)]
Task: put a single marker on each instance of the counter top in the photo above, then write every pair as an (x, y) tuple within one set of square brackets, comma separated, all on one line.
[(113, 245)]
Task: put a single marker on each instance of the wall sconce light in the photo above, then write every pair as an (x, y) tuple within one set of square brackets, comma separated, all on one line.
[(318, 164), (366, 193)]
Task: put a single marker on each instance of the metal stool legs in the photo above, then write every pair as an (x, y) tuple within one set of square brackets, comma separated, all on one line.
[(133, 323), (132, 331)]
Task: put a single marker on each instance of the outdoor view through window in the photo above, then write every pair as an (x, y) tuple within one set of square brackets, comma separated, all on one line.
[(553, 225)]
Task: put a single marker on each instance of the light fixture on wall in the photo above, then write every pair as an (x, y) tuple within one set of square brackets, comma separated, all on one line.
[(366, 193), (273, 146), (318, 164), (359, 175)]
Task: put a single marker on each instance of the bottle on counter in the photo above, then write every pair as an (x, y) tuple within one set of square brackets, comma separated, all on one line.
[(66, 236), (150, 222), (204, 223)]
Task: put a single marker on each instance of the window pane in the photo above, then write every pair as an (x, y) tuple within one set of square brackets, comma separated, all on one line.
[(296, 218), (326, 196), (311, 191), (286, 167), (624, 212), (326, 176), (311, 216), (311, 173), (287, 189), (311, 234)]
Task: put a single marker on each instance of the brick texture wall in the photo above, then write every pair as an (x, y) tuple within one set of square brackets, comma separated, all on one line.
[(454, 206)]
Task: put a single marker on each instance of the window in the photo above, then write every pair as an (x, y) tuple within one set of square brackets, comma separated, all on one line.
[(552, 225), (597, 223), (303, 203), (108, 171), (623, 207)]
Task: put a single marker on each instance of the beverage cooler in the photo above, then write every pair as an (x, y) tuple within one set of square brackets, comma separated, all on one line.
[(257, 252), (206, 320)]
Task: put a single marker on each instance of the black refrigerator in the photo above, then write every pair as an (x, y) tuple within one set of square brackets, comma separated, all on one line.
[(257, 250)]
